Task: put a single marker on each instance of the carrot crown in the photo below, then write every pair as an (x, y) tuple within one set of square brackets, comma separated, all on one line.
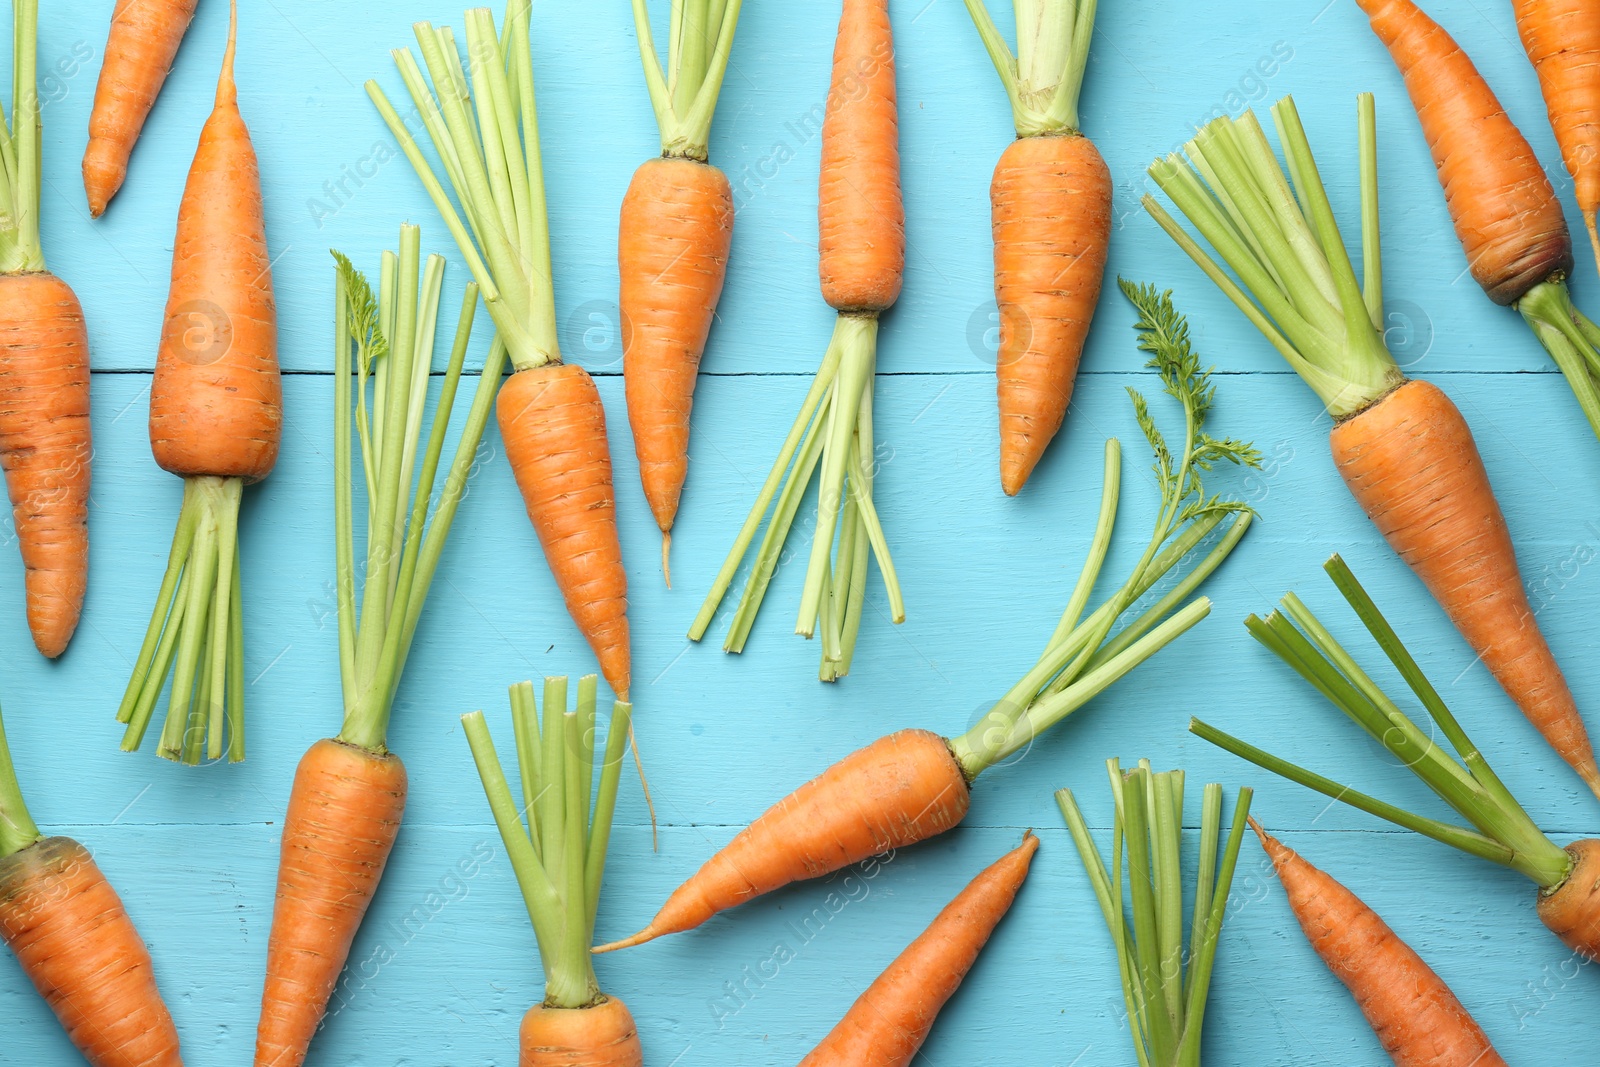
[(685, 96), (1278, 234), (391, 337), (20, 157), (17, 829), (1044, 77), (1502, 830), (559, 853), (486, 132), (1082, 658), (1166, 1000)]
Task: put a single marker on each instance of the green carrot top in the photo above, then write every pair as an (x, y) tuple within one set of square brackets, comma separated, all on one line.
[(1044, 77), (685, 95), (17, 829), (20, 156)]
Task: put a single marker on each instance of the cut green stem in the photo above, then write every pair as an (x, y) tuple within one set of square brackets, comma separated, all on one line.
[(685, 95), (20, 155), (17, 828), (1045, 77)]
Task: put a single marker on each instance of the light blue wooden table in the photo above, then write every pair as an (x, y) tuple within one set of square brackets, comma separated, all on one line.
[(194, 851)]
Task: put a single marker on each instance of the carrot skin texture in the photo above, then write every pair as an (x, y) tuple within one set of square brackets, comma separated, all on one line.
[(860, 214), (1051, 207), (1411, 463), (602, 1035), (216, 402), (672, 250), (74, 940), (344, 814), (1572, 911), (1414, 1014), (144, 40), (45, 447), (555, 436), (899, 790), (1506, 213), (1562, 38), (887, 1024)]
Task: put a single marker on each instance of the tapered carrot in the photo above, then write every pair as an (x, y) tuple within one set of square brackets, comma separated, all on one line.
[(144, 40), (1417, 1018), (672, 248), (1051, 202), (44, 375), (74, 940), (889, 1022)]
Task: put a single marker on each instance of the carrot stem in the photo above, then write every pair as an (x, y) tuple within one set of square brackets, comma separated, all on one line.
[(1371, 230), (1044, 79), (20, 159), (17, 828), (1560, 328)]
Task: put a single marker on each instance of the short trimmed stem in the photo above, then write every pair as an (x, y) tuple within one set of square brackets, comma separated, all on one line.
[(17, 828)]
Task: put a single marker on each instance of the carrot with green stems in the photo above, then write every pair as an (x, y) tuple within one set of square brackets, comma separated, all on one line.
[(144, 40), (1415, 1015), (559, 856), (1500, 830), (1506, 213), (914, 784), (486, 133), (1164, 982), (44, 373), (672, 247), (861, 237), (74, 940), (350, 791), (888, 1024), (216, 419), (1051, 202), (1402, 447)]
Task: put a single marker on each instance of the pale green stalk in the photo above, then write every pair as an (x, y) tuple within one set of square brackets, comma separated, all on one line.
[(1045, 77), (684, 96), (17, 828), (20, 144)]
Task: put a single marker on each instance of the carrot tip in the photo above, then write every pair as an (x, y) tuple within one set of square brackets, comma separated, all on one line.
[(666, 562), (637, 939), (1591, 777), (1594, 236)]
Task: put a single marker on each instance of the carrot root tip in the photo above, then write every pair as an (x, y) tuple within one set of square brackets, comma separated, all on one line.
[(666, 556)]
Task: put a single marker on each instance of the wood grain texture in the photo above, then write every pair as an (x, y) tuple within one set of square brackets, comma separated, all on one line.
[(446, 965)]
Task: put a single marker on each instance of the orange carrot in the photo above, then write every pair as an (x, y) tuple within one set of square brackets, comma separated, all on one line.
[(1572, 909), (672, 250), (144, 40), (1051, 202), (1415, 1015), (1562, 38), (601, 1035), (216, 417), (889, 1022), (44, 376)]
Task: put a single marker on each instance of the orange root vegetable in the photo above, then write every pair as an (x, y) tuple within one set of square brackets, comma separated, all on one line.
[(1571, 910), (344, 814), (144, 40), (889, 1022), (601, 1035), (1415, 1015), (555, 436)]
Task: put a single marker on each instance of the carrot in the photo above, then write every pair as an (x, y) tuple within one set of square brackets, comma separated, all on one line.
[(914, 784), (349, 792), (74, 940), (144, 40), (216, 418), (861, 264), (45, 444), (559, 857), (672, 248), (1415, 1015), (486, 134), (1051, 201), (1402, 447), (1499, 829), (1562, 38), (889, 1022)]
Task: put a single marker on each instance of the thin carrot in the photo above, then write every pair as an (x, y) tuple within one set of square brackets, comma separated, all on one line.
[(216, 418), (74, 940), (1417, 1018), (914, 784), (45, 443), (1051, 201), (672, 248), (144, 40), (1402, 447), (485, 131), (887, 1024)]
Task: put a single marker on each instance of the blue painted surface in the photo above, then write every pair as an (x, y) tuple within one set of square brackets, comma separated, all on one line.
[(193, 851)]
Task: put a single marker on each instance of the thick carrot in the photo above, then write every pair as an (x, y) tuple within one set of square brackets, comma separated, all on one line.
[(45, 444), (1415, 1015), (1412, 465), (344, 813), (601, 1035), (1571, 910), (1562, 38), (554, 430), (144, 40), (889, 1022)]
